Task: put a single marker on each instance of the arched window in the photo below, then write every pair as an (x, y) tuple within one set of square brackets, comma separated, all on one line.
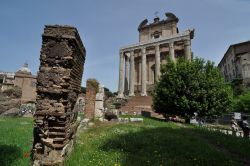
[(156, 35)]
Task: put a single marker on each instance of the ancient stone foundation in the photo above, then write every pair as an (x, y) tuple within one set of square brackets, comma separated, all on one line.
[(58, 85)]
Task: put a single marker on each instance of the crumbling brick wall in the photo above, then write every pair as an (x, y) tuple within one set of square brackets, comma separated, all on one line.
[(58, 85), (91, 90)]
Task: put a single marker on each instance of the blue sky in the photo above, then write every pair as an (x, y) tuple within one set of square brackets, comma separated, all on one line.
[(105, 26)]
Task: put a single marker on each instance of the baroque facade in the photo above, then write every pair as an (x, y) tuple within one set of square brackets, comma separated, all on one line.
[(235, 64), (140, 63), (23, 79)]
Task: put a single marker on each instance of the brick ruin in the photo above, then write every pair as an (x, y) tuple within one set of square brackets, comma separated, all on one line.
[(91, 90), (58, 85)]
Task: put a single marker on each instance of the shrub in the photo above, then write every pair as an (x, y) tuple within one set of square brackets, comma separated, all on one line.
[(109, 116)]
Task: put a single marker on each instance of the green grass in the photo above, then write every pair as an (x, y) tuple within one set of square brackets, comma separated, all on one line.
[(15, 141), (149, 143), (157, 143)]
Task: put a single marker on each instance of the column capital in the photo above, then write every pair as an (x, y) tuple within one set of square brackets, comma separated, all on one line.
[(132, 53), (171, 44), (157, 45), (127, 54), (187, 42), (143, 50)]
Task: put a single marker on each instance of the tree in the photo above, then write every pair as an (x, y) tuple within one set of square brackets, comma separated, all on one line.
[(188, 87), (83, 90), (108, 93), (242, 103)]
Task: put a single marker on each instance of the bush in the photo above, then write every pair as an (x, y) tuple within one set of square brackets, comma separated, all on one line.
[(109, 116), (242, 103), (187, 87)]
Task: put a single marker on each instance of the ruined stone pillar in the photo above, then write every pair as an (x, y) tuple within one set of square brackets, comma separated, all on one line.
[(144, 73), (58, 85), (187, 50), (91, 90), (171, 49), (127, 74), (121, 76), (99, 101), (157, 62), (132, 74)]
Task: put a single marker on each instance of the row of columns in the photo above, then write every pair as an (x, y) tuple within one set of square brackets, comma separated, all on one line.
[(128, 58)]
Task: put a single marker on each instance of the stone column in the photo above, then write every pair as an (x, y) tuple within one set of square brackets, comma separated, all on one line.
[(187, 50), (127, 74), (121, 76), (157, 62), (132, 74), (144, 73), (171, 50)]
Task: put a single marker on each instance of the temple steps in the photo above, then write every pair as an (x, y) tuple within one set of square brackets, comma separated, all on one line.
[(139, 104)]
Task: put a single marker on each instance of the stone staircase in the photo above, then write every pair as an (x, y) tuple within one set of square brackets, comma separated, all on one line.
[(139, 104)]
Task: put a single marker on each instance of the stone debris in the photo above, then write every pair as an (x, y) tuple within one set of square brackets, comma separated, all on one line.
[(123, 120), (136, 119), (11, 112), (8, 104), (58, 85), (126, 120)]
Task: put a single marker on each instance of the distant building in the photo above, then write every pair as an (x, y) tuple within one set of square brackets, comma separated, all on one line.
[(6, 80), (235, 64), (24, 79)]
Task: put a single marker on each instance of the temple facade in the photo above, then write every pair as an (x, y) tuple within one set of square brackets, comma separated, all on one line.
[(140, 63)]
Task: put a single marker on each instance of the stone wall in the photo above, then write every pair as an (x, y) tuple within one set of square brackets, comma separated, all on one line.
[(58, 85)]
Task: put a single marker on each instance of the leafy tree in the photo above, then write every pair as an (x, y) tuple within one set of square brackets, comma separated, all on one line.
[(83, 90), (108, 93), (187, 87), (242, 103), (237, 86)]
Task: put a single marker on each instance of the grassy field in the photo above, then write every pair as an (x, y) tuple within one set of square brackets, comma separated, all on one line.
[(133, 144), (15, 141), (157, 143)]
